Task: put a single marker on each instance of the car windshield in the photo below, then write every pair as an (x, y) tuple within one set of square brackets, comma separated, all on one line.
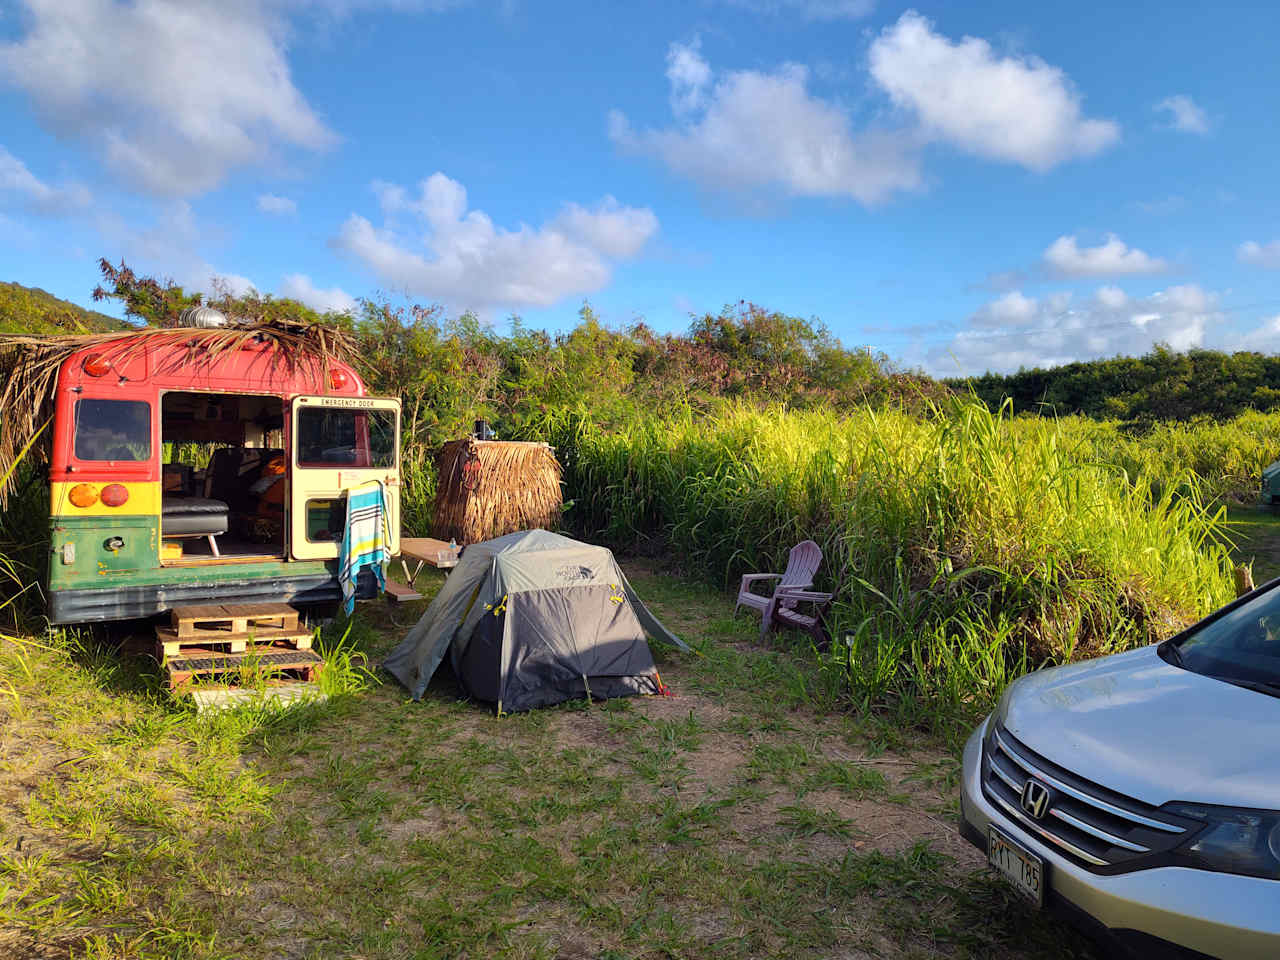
[(1242, 646)]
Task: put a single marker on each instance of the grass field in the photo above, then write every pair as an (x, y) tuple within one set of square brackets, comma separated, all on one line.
[(1256, 533), (782, 804), (743, 817)]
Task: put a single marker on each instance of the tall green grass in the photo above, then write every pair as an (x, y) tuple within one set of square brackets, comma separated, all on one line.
[(965, 547), (417, 491), (1227, 457), (24, 540)]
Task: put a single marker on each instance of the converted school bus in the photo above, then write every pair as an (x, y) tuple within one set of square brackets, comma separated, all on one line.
[(185, 471)]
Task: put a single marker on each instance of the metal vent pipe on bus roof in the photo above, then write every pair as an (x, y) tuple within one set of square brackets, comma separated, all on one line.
[(202, 317)]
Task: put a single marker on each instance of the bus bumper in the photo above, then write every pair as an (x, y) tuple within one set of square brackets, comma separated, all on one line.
[(132, 602)]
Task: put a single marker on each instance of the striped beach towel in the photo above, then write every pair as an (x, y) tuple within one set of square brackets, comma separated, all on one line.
[(364, 539)]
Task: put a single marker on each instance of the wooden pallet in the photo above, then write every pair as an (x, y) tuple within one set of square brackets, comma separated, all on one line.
[(182, 669), (169, 643), (232, 618)]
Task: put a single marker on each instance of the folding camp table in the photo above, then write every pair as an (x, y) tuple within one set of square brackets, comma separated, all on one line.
[(425, 551)]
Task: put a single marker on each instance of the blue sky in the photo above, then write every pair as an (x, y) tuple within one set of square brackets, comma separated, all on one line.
[(962, 186)]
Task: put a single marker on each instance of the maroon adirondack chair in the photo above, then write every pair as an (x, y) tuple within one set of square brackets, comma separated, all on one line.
[(785, 611), (802, 564)]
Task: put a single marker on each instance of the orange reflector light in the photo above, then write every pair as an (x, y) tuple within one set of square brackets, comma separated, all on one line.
[(115, 494), (83, 495), (338, 379), (96, 365)]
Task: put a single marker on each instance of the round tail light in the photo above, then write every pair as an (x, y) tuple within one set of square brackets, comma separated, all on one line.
[(96, 365), (338, 379), (83, 495), (115, 495)]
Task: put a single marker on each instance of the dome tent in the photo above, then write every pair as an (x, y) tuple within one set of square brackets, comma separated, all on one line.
[(531, 619)]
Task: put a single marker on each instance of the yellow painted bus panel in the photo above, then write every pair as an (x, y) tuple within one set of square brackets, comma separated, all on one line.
[(144, 499)]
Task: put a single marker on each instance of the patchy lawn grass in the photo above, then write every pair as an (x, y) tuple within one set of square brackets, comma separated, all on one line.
[(745, 817), (1256, 532)]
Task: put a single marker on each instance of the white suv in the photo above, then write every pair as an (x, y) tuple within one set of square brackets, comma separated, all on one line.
[(1139, 794)]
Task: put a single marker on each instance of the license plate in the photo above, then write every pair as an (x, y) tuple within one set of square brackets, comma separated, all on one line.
[(1022, 868)]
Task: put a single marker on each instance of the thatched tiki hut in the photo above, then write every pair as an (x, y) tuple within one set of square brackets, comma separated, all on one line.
[(488, 488)]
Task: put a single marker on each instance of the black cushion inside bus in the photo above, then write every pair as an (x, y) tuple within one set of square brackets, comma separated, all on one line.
[(192, 516)]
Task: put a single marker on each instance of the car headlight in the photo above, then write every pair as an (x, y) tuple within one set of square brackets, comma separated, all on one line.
[(1002, 708), (1233, 840)]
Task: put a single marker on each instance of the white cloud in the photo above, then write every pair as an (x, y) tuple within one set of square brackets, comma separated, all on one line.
[(466, 261), (1061, 328), (1184, 114), (1016, 109), (174, 93), (1011, 309), (1113, 298), (753, 129), (1113, 258), (391, 196), (168, 248), (615, 231), (217, 282), (33, 193), (1263, 339), (277, 206), (689, 76), (810, 10), (298, 286), (342, 8), (1260, 254)]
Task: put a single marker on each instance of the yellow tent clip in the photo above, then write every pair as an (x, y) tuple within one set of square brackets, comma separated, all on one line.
[(616, 598)]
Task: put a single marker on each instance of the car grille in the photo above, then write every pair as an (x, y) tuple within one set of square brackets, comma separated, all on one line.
[(1094, 826)]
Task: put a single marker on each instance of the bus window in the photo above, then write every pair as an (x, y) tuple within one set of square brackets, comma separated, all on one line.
[(113, 430), (335, 437)]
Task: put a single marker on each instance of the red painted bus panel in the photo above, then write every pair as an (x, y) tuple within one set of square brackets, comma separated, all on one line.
[(143, 368)]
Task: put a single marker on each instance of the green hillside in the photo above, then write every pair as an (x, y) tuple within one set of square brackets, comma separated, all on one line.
[(1161, 385), (32, 310)]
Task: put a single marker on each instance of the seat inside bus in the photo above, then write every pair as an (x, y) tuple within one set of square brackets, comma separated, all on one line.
[(223, 489)]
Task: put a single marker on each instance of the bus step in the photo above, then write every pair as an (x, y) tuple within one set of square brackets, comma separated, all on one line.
[(264, 664), (399, 593), (235, 618), (169, 643)]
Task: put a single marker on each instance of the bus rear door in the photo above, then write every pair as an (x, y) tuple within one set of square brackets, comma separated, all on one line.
[(338, 443)]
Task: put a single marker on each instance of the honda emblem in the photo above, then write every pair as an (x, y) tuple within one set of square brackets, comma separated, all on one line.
[(1035, 798)]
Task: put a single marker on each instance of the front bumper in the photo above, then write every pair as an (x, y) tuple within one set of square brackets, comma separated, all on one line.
[(1215, 914)]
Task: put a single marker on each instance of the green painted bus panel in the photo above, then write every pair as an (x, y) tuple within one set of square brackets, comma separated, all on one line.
[(137, 561), (102, 550)]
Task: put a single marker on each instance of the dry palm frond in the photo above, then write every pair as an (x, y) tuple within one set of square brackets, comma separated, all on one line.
[(491, 487), (29, 366)]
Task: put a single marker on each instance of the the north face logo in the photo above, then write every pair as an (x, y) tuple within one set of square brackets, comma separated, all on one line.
[(572, 572)]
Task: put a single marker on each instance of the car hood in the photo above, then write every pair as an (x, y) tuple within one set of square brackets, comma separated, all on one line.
[(1152, 731)]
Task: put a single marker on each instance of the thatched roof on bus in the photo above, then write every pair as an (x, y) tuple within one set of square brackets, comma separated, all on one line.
[(488, 488), (29, 367)]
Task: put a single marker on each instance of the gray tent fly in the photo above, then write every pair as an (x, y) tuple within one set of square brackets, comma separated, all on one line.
[(531, 619)]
